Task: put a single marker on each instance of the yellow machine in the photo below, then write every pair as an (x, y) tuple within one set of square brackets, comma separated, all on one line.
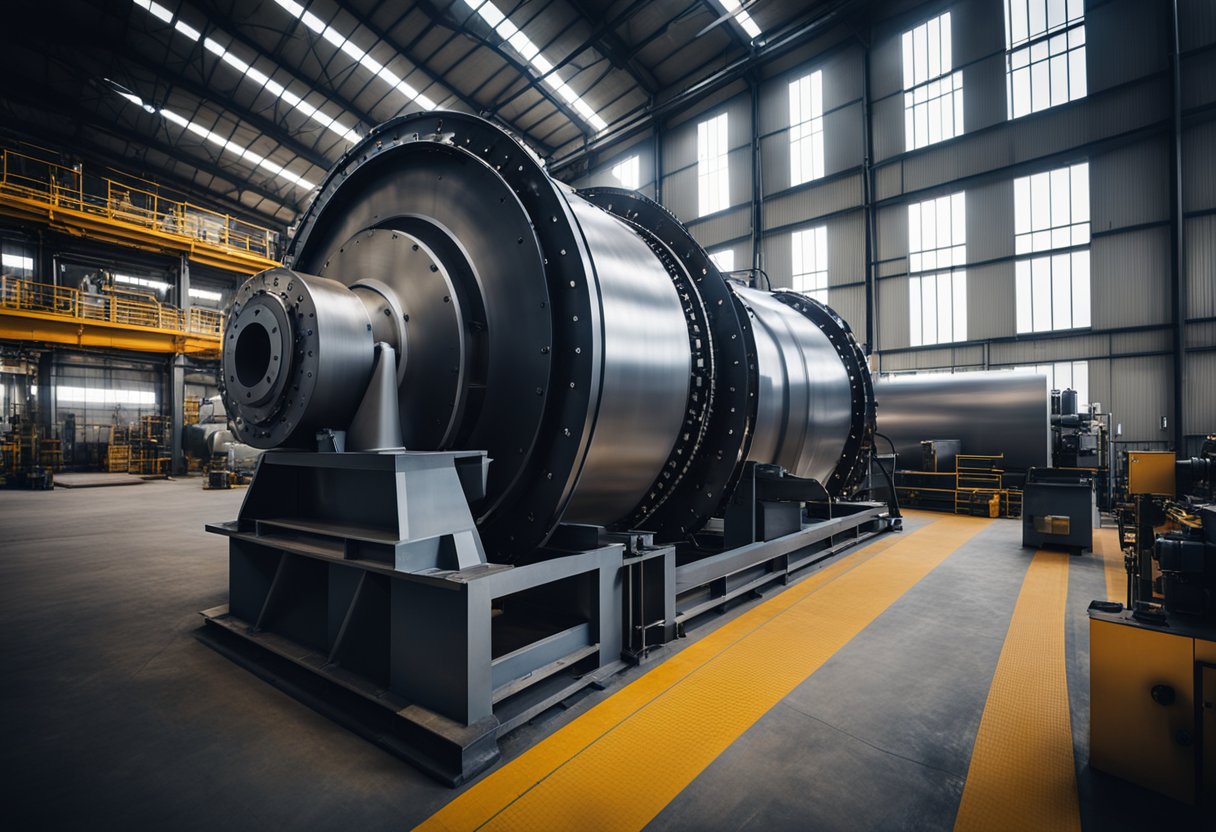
[(1146, 681), (1150, 472)]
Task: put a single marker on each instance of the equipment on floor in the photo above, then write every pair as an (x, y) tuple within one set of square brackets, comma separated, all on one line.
[(1059, 509), (990, 413), (607, 440), (1153, 664), (1081, 439)]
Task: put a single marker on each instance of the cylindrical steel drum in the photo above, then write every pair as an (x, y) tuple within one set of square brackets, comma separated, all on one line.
[(583, 339)]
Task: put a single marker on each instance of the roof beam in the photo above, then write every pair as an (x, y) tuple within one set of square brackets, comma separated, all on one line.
[(725, 18), (606, 41), (68, 111), (267, 127), (461, 28), (231, 27)]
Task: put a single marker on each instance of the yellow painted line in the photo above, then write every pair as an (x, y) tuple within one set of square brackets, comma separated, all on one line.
[(1022, 774), (1106, 545), (616, 766)]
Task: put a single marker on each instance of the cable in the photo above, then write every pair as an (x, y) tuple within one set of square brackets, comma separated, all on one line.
[(893, 503)]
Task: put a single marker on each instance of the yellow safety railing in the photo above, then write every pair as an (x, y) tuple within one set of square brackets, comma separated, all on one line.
[(56, 185), (116, 306)]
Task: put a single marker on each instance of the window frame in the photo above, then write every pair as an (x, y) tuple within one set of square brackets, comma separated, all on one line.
[(927, 89), (806, 133)]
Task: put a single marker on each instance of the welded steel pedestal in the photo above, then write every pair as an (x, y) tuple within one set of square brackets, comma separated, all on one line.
[(357, 581)]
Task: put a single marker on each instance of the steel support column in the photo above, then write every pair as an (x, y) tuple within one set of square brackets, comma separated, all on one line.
[(176, 376), (1177, 241)]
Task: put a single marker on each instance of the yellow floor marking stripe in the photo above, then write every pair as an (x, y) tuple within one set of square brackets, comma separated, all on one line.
[(1022, 774), (1106, 544), (619, 764)]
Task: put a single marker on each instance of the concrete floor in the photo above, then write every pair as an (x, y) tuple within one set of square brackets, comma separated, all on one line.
[(115, 716)]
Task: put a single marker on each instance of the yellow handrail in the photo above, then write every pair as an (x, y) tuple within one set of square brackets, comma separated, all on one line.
[(115, 306), (56, 185)]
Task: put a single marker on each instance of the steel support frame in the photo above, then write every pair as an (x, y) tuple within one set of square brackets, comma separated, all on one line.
[(425, 662)]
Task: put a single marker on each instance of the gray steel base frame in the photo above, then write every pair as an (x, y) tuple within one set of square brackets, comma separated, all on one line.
[(358, 584)]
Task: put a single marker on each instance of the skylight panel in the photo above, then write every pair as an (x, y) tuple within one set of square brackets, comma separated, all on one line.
[(219, 141), (735, 10), (530, 52), (334, 125), (347, 46)]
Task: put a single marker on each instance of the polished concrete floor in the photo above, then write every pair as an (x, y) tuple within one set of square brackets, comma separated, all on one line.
[(115, 716)]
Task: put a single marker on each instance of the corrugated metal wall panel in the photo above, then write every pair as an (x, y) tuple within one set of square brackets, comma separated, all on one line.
[(984, 110), (1047, 133), (680, 193), (1199, 79), (740, 166), (990, 301), (1130, 278), (847, 249), (891, 319), (813, 201), (1125, 39), (843, 139), (1199, 162), (1200, 238), (1141, 393), (1201, 335), (1132, 343), (892, 234), (728, 225), (775, 162), (1199, 407), (888, 122), (1197, 22), (990, 221), (937, 358), (849, 303), (1130, 185), (1040, 351)]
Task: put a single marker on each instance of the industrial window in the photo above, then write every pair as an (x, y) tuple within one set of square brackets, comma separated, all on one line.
[(937, 287), (933, 95), (1051, 239), (628, 173), (724, 259), (205, 294), (1045, 54), (810, 262), (159, 286), (713, 171), (18, 265), (109, 397), (806, 128), (1063, 375)]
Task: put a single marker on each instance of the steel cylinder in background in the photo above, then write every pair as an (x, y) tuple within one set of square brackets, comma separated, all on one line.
[(583, 339)]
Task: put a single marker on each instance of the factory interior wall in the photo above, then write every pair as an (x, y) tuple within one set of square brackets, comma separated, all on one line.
[(1122, 127)]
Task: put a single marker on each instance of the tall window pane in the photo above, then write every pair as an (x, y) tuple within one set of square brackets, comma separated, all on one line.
[(809, 258), (933, 94), (1044, 54), (937, 254), (1051, 239), (806, 128), (713, 180)]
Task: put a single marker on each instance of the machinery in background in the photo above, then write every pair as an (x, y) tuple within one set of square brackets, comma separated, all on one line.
[(997, 427), (1059, 509), (225, 461), (1082, 440), (1153, 663), (27, 458), (608, 441)]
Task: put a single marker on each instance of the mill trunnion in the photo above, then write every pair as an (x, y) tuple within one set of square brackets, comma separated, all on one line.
[(607, 440)]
